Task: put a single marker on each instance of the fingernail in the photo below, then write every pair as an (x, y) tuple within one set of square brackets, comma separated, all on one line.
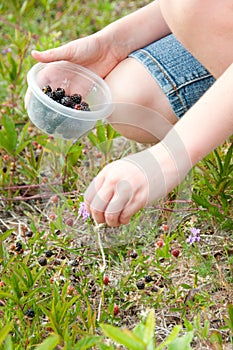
[(34, 51)]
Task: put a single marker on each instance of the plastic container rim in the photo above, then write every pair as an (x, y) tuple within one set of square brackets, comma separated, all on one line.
[(66, 111)]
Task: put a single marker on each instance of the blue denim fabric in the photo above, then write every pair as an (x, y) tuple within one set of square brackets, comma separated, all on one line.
[(182, 78)]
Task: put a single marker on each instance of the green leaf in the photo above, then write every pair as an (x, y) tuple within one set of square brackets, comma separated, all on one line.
[(94, 139), (182, 342), (13, 72), (4, 332), (75, 152), (8, 136), (216, 340), (172, 336), (230, 313), (218, 161), (101, 132), (49, 343), (227, 160), (208, 184), (8, 345), (111, 133), (102, 346), (123, 337), (149, 328), (87, 342), (5, 295), (6, 234), (213, 170)]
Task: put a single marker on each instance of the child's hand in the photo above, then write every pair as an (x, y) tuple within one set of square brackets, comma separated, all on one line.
[(118, 191), (127, 185), (95, 52)]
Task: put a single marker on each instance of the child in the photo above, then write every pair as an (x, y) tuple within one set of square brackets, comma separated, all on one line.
[(154, 82)]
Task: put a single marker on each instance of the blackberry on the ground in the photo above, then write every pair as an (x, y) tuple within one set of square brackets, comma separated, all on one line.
[(133, 255), (18, 246), (140, 285), (42, 261), (74, 263), (76, 98), (48, 253), (148, 278), (30, 313)]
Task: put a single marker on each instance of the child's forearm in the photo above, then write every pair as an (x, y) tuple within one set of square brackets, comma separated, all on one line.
[(137, 29), (207, 124)]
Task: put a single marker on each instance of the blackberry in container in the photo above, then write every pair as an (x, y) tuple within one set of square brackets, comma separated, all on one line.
[(57, 119)]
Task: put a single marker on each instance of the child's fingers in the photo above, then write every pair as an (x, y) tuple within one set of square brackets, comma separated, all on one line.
[(64, 52), (123, 194)]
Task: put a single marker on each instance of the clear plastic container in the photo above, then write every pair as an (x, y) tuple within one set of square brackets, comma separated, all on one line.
[(60, 121)]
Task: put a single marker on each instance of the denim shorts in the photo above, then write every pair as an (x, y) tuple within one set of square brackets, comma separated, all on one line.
[(182, 78)]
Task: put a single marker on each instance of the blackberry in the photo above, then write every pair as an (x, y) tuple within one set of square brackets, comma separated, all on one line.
[(4, 169), (30, 313), (18, 246), (72, 101), (76, 98), (85, 108), (66, 101), (47, 89), (148, 278), (58, 94), (29, 234), (42, 261), (133, 255), (74, 263), (140, 285), (84, 103), (48, 253)]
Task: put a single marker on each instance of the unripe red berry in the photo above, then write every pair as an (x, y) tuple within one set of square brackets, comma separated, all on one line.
[(116, 310), (160, 243), (52, 216), (69, 222), (2, 284), (106, 280), (175, 252), (165, 227), (54, 199), (5, 157)]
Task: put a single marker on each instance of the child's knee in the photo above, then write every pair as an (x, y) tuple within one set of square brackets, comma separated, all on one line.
[(140, 105)]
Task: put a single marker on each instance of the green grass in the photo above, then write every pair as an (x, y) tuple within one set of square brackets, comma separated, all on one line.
[(70, 303)]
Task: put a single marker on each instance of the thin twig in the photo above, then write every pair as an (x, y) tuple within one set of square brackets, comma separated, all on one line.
[(103, 267)]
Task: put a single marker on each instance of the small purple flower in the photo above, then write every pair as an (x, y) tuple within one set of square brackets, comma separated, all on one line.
[(190, 240), (195, 236), (82, 211), (6, 50), (195, 231)]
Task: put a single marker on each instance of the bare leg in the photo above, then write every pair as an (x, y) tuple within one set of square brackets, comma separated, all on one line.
[(205, 28), (142, 111)]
